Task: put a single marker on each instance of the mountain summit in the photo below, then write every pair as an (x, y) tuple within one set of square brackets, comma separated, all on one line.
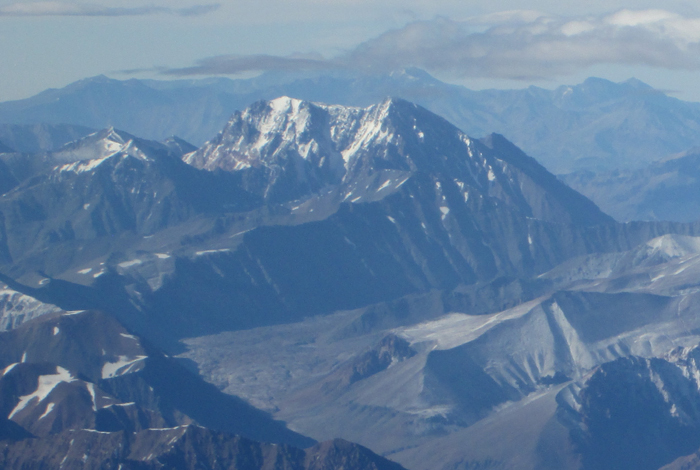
[(298, 147)]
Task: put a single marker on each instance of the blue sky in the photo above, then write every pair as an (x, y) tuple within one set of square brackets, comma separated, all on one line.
[(501, 43)]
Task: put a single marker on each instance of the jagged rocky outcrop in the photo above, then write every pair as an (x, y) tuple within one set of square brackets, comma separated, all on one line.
[(640, 413), (87, 393), (182, 448), (85, 371), (17, 308)]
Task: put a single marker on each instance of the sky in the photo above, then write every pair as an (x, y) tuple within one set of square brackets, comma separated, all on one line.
[(479, 44)]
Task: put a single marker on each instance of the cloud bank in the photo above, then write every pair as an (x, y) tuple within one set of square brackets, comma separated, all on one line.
[(235, 64), (523, 45), (90, 9)]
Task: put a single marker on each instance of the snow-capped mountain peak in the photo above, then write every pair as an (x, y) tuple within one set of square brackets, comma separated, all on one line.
[(674, 246), (91, 151), (299, 144), (94, 146), (295, 149)]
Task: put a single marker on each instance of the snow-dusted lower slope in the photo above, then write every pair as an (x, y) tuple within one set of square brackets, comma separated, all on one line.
[(478, 380)]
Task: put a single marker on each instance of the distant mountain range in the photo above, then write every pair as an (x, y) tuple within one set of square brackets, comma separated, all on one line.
[(366, 273), (665, 190), (596, 125), (39, 137)]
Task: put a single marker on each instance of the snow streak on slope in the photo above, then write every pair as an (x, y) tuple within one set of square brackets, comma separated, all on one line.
[(124, 365), (45, 386)]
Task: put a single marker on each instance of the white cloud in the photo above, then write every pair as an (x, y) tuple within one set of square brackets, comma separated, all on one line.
[(639, 18), (235, 64), (523, 45), (91, 9)]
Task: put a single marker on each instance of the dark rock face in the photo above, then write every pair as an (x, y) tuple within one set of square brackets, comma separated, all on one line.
[(86, 393), (183, 448), (338, 454), (390, 349), (85, 371), (636, 413)]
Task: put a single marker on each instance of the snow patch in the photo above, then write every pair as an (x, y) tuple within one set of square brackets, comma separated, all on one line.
[(402, 182), (46, 384), (207, 252), (74, 312), (131, 403), (9, 368), (128, 264), (384, 185), (85, 271), (121, 367), (56, 330), (81, 166), (675, 246), (91, 390), (241, 233), (49, 409), (454, 329), (371, 131)]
